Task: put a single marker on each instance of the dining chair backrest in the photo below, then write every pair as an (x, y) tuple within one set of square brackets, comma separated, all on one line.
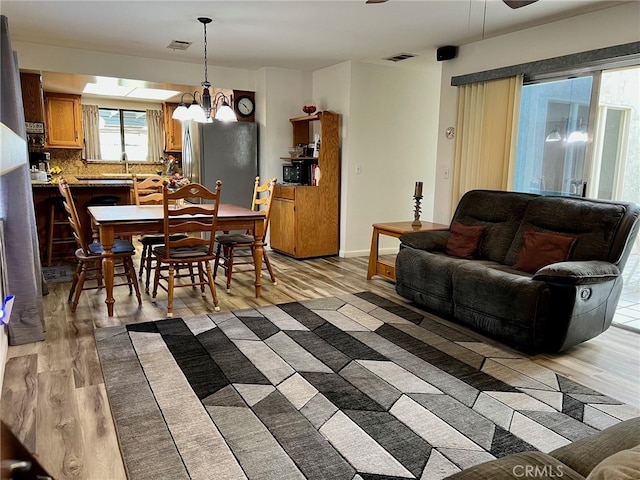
[(147, 190), (185, 212), (262, 196), (74, 219)]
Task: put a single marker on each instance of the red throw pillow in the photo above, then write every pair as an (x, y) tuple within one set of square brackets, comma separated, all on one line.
[(464, 240), (540, 249)]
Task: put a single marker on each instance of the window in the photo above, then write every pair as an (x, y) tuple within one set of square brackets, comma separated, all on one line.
[(581, 136), (554, 117), (123, 131)]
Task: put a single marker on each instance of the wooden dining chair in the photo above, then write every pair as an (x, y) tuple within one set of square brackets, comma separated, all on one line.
[(148, 191), (236, 249), (89, 256), (185, 213)]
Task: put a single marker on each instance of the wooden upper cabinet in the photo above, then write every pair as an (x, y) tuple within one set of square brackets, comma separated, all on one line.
[(172, 129), (63, 116), (32, 97)]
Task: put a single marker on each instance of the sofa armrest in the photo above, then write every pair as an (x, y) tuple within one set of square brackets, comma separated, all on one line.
[(432, 240), (578, 273)]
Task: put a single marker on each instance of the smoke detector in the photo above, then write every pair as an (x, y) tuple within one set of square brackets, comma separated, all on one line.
[(179, 45), (400, 56)]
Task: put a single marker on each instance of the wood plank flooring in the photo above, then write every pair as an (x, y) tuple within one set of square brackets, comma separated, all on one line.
[(54, 398)]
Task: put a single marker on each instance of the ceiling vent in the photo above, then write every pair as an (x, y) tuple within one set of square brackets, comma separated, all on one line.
[(179, 45), (400, 56)]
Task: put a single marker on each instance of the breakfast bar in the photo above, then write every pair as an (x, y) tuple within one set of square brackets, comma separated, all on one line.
[(84, 190)]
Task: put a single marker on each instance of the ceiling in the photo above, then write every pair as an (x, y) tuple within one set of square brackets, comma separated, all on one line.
[(303, 34)]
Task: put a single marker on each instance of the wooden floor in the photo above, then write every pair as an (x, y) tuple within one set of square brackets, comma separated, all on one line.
[(54, 398)]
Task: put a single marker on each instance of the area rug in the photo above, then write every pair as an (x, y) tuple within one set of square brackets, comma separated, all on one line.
[(355, 387), (58, 274)]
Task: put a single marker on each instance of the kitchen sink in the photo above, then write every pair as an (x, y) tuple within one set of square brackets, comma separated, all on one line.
[(112, 176), (127, 175)]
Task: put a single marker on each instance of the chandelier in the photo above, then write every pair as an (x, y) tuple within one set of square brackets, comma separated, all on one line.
[(201, 112)]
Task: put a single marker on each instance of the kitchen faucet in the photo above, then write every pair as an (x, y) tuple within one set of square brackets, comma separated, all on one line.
[(126, 162)]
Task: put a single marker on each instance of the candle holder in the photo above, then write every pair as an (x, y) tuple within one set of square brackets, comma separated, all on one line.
[(416, 211)]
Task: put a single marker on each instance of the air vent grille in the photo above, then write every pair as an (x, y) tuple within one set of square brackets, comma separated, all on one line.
[(179, 45), (400, 56)]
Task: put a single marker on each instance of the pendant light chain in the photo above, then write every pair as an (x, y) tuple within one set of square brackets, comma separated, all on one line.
[(206, 72), (206, 95)]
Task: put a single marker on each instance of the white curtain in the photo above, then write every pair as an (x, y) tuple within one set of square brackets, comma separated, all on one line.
[(91, 128), (487, 130), (156, 135)]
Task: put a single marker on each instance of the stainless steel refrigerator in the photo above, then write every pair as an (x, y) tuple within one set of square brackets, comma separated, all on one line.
[(225, 151)]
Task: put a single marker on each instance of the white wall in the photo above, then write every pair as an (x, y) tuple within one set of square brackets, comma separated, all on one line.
[(279, 93), (604, 28), (389, 118)]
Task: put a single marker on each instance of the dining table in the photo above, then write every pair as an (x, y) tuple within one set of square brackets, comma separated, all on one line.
[(109, 223)]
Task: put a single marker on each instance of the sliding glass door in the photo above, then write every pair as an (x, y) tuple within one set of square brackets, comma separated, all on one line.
[(552, 137), (581, 136)]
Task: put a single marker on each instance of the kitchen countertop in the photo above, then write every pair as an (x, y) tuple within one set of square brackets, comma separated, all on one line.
[(86, 181)]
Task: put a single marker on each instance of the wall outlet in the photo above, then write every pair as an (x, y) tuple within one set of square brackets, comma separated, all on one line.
[(445, 174), (358, 169)]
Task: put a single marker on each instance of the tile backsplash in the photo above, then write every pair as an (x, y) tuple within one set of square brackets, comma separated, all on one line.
[(71, 162)]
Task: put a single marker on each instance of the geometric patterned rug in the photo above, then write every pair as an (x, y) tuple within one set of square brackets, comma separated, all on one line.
[(355, 387)]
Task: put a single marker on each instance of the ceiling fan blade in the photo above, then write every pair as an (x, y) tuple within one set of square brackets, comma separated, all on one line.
[(518, 3), (375, 1)]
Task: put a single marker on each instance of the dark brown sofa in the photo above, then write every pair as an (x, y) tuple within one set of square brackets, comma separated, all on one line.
[(549, 309), (612, 454)]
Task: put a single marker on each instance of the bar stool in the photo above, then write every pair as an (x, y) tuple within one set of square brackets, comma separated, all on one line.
[(103, 201), (56, 208)]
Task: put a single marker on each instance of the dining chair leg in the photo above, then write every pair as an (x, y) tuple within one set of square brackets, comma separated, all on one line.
[(212, 287), (217, 260), (149, 261), (193, 278), (81, 279), (74, 284), (156, 279), (143, 258), (268, 264), (133, 280), (228, 261), (170, 291), (202, 278)]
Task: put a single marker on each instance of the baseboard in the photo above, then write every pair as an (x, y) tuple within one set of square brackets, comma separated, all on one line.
[(365, 253)]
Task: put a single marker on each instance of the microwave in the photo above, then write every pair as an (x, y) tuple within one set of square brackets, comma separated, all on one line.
[(298, 172)]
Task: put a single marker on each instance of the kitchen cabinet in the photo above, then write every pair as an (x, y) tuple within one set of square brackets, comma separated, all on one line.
[(63, 116), (32, 97), (305, 220), (172, 129)]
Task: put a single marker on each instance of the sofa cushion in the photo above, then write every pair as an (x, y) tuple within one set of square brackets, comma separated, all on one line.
[(464, 240), (583, 455), (480, 290), (594, 223), (500, 212), (624, 465), (540, 249), (532, 465)]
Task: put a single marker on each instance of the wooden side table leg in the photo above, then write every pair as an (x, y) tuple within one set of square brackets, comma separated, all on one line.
[(373, 254)]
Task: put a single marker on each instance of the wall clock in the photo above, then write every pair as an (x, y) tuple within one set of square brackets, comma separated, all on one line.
[(450, 132), (244, 104)]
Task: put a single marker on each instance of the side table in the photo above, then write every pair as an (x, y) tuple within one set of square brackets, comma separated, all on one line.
[(393, 229)]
